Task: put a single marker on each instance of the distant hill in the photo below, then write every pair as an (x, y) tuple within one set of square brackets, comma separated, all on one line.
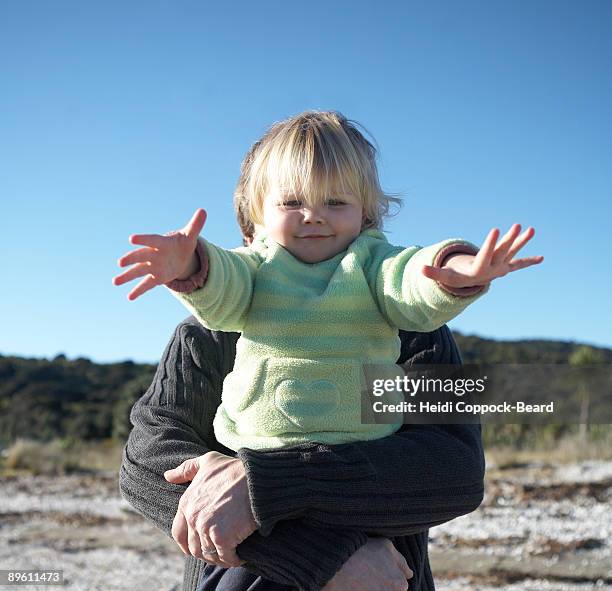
[(477, 350), (44, 399), (82, 400)]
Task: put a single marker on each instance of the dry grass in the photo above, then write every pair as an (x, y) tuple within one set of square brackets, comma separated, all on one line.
[(61, 457), (568, 449)]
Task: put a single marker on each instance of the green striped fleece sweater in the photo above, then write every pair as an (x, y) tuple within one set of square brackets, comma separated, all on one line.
[(308, 330)]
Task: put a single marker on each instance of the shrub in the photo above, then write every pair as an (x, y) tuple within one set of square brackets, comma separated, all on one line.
[(39, 458)]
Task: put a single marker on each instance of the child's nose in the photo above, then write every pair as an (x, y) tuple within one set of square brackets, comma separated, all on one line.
[(312, 214)]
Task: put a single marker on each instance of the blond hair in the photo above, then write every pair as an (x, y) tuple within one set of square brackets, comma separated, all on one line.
[(313, 155)]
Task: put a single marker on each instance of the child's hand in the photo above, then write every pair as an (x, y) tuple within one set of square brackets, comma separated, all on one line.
[(164, 258), (491, 262)]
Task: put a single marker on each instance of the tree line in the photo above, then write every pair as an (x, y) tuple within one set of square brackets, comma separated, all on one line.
[(45, 399)]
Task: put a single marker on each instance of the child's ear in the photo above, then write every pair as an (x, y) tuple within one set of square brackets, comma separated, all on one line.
[(364, 218)]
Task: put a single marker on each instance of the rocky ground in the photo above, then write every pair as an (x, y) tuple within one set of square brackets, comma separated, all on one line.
[(540, 527)]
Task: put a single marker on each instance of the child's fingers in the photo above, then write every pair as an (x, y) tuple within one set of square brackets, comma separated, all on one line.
[(133, 272), (506, 242), (152, 240), (525, 237), (526, 262), (485, 254), (196, 223), (142, 255), (149, 282)]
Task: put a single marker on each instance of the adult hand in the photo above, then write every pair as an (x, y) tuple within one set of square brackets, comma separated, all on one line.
[(215, 509), (164, 258), (492, 261), (376, 566)]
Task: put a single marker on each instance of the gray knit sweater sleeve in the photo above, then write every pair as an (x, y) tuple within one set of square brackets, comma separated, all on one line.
[(173, 422)]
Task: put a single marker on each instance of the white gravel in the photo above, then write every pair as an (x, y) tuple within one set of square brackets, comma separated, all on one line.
[(531, 585), (521, 528), (80, 524), (99, 570), (65, 494), (562, 521)]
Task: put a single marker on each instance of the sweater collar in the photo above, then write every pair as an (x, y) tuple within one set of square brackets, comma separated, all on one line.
[(262, 239)]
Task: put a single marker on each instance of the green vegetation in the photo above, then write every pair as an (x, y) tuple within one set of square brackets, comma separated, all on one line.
[(67, 403), (557, 442), (477, 350), (71, 400)]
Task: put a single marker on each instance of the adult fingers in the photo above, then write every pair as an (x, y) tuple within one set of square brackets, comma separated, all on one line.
[(213, 558), (184, 472), (405, 568), (401, 561), (179, 531), (525, 237), (517, 264), (196, 223), (152, 240), (195, 543), (227, 556), (209, 552), (136, 271), (505, 243), (149, 282), (142, 255), (485, 254), (198, 540)]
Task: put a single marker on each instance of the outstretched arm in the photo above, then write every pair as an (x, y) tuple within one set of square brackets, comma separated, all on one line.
[(408, 298), (423, 288), (220, 296), (493, 260), (215, 284)]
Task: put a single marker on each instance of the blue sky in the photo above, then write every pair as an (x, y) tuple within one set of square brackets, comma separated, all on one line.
[(123, 117)]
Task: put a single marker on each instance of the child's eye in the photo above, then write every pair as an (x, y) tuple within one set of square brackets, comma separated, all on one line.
[(291, 203), (335, 202)]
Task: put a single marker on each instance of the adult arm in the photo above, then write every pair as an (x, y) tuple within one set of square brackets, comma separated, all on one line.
[(419, 477), (172, 422)]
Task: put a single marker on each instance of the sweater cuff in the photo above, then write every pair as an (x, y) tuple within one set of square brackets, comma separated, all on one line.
[(300, 555), (277, 484), (283, 483), (444, 255), (197, 280)]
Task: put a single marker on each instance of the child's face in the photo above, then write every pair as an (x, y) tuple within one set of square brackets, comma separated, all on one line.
[(313, 233)]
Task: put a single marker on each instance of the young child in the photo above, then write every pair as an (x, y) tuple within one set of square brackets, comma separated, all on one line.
[(317, 292)]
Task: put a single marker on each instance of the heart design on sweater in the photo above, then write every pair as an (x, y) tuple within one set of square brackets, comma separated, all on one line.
[(304, 404)]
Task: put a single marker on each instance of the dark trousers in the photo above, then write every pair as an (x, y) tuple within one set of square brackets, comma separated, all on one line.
[(217, 578)]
